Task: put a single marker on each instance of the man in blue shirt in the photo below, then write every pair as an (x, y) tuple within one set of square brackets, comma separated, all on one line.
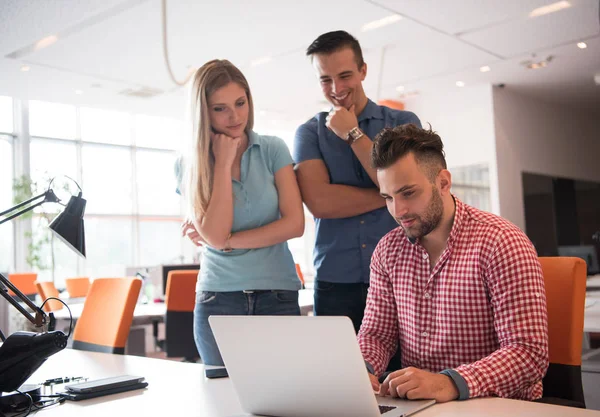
[(332, 155)]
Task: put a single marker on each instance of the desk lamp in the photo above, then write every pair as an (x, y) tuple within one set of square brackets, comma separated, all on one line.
[(22, 353)]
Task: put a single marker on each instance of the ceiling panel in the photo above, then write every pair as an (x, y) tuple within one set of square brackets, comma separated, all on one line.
[(129, 46), (458, 16), (532, 34), (27, 21), (567, 80), (428, 53)]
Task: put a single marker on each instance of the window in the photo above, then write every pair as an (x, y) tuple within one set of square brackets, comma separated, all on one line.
[(56, 260), (107, 183), (6, 114), (156, 183), (160, 241), (109, 246), (125, 165), (53, 159), (6, 178), (158, 132), (105, 126), (52, 120), (471, 184)]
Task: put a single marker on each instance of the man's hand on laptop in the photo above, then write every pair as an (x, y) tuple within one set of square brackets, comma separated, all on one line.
[(374, 382), (417, 384)]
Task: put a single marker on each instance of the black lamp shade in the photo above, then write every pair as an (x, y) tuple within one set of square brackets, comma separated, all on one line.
[(68, 225)]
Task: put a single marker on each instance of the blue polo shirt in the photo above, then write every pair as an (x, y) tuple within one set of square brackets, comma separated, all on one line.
[(255, 204), (343, 247)]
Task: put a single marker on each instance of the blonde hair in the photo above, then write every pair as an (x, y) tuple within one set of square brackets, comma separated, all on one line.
[(200, 161)]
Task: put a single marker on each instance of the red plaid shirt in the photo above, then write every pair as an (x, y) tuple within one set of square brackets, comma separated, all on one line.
[(481, 311)]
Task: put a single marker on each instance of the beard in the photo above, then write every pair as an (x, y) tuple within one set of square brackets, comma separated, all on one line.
[(428, 221)]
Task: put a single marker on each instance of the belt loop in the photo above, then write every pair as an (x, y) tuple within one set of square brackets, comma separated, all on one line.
[(248, 291)]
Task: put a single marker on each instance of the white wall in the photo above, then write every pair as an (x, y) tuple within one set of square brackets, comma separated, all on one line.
[(542, 138), (463, 117)]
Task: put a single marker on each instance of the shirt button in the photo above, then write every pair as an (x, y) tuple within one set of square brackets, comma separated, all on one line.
[(425, 255), (427, 296), (363, 246), (424, 334), (362, 222)]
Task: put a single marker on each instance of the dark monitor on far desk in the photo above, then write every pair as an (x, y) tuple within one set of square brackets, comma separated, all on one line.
[(168, 268), (587, 253)]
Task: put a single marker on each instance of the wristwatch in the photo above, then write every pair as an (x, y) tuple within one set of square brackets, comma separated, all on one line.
[(353, 135)]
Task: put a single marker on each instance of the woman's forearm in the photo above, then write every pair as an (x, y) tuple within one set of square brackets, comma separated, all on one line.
[(216, 224), (279, 231)]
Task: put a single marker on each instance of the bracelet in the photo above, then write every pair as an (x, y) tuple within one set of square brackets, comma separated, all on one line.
[(227, 247)]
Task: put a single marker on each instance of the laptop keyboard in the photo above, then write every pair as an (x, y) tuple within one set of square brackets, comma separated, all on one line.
[(384, 409)]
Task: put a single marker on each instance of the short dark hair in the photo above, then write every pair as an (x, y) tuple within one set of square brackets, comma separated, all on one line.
[(331, 42), (392, 144)]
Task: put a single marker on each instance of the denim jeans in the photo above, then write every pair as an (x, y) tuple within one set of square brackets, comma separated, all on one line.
[(257, 303), (350, 300)]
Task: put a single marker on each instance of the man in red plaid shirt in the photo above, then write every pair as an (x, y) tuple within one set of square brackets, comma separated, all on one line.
[(460, 290)]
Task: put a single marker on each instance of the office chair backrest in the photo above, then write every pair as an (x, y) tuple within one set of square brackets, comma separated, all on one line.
[(565, 280), (47, 289), (107, 315), (25, 282), (78, 287), (180, 300)]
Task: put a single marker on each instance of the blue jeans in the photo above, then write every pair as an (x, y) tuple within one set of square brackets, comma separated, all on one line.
[(350, 300), (333, 299), (236, 303)]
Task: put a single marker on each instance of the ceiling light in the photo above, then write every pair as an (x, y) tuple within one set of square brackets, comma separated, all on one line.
[(376, 24), (597, 79), (460, 84), (409, 94), (47, 41), (485, 68), (582, 45), (78, 92), (537, 64), (551, 8), (260, 61), (400, 89), (25, 68)]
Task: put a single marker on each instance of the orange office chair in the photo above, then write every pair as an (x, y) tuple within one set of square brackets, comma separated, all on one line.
[(180, 300), (25, 282), (565, 280), (300, 275), (47, 289), (107, 315), (77, 287)]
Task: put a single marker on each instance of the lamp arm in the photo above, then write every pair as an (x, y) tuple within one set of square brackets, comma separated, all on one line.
[(22, 204), (49, 197), (40, 317)]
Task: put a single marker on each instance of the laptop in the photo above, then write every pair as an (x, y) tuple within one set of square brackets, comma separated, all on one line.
[(298, 366)]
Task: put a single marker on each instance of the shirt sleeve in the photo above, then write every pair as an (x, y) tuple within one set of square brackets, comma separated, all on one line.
[(518, 300), (306, 142), (378, 335), (410, 117), (279, 154)]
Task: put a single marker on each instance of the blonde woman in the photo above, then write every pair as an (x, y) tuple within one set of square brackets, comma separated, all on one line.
[(246, 204)]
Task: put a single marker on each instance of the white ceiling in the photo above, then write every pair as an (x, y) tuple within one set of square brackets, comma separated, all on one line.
[(106, 46)]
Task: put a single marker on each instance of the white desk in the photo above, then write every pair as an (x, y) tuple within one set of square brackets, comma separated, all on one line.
[(177, 388)]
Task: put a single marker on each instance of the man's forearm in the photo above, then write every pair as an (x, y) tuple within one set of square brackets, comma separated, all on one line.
[(335, 201), (362, 149)]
